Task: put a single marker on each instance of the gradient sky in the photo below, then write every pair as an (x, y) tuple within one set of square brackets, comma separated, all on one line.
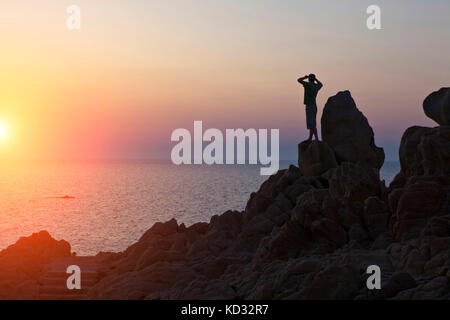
[(137, 70)]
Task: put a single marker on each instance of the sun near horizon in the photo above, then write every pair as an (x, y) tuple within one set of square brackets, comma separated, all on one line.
[(3, 131)]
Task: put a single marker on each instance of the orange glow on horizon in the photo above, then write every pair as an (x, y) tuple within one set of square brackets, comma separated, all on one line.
[(132, 74)]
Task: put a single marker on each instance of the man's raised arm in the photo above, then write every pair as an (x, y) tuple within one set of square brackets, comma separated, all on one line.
[(319, 83), (302, 79)]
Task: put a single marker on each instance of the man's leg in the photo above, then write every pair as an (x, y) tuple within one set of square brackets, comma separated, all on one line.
[(310, 134), (315, 125)]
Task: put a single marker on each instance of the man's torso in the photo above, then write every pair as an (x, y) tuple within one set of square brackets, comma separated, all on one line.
[(311, 90)]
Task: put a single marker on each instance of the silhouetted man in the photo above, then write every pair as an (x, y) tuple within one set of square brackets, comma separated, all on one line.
[(312, 87)]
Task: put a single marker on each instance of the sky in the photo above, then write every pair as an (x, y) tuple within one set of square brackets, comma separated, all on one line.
[(137, 70)]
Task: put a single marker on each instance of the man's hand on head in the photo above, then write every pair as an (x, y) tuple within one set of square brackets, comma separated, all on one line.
[(301, 79)]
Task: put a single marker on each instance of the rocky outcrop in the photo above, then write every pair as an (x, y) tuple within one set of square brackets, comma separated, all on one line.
[(21, 263), (420, 191), (315, 158), (437, 106), (346, 130), (425, 151), (419, 205), (308, 232), (297, 238)]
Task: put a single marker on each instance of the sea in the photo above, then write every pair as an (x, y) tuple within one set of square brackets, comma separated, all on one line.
[(107, 205)]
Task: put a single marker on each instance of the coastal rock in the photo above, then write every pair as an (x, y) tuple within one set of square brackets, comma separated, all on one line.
[(21, 263), (334, 283), (420, 191), (376, 216), (319, 219), (351, 182), (432, 290), (411, 160), (413, 206), (269, 190), (315, 158), (437, 106), (398, 282), (346, 130), (424, 151)]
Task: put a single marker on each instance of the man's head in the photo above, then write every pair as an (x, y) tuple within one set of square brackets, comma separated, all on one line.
[(312, 77)]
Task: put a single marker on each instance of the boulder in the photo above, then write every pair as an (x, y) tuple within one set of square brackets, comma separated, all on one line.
[(425, 151), (410, 158), (346, 130), (420, 191), (437, 106), (315, 158), (414, 205), (21, 263)]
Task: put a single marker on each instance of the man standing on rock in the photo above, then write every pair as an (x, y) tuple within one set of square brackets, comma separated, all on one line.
[(312, 87)]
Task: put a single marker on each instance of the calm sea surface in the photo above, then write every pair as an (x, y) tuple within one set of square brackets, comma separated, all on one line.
[(116, 202)]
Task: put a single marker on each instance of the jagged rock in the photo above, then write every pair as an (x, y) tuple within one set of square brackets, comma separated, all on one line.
[(437, 106), (351, 182), (410, 158), (376, 215), (433, 289), (313, 214), (412, 207), (335, 282), (434, 148), (424, 151), (282, 280), (309, 206), (420, 191), (315, 158), (346, 130), (438, 227), (21, 263), (269, 190), (284, 243)]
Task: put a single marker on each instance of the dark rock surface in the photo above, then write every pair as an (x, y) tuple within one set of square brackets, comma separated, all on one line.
[(437, 106), (21, 263), (315, 158), (346, 130)]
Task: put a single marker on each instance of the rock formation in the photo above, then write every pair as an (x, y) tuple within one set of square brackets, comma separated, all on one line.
[(315, 158), (346, 130), (21, 263), (437, 106), (419, 194), (308, 232)]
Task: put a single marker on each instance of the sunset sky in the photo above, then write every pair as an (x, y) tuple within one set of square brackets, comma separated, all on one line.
[(139, 69)]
